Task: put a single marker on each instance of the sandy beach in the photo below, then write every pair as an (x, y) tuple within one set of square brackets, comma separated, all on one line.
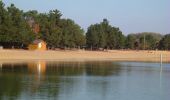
[(80, 55)]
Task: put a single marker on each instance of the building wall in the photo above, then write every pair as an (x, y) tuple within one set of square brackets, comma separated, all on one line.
[(37, 47)]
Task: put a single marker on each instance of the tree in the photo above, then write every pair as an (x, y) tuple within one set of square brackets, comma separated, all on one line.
[(72, 34), (145, 40), (120, 39), (14, 30), (130, 41), (54, 38), (164, 43), (55, 31), (21, 32), (149, 40), (51, 30), (18, 29), (5, 24), (92, 37), (104, 35)]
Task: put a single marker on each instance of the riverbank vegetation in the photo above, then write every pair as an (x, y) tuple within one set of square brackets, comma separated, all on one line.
[(19, 28)]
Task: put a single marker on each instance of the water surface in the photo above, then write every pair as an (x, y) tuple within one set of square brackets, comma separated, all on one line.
[(84, 81)]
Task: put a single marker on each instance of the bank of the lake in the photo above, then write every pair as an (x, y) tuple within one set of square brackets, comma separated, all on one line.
[(80, 55)]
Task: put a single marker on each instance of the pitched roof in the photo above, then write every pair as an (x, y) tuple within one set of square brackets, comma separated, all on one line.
[(38, 41)]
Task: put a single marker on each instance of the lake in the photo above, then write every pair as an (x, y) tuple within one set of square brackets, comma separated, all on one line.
[(100, 80)]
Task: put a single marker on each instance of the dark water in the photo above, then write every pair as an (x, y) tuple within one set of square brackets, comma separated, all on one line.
[(84, 81)]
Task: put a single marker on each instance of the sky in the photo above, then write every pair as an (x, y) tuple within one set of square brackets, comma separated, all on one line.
[(131, 16)]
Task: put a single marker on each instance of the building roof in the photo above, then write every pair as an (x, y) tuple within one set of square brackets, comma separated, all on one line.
[(38, 41)]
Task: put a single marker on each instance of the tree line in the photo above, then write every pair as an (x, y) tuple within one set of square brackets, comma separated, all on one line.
[(18, 29)]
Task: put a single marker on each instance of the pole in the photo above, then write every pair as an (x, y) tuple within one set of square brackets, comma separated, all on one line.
[(160, 73), (161, 61), (144, 41)]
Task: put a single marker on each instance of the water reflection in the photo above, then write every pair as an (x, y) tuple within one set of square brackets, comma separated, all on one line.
[(37, 67), (82, 80), (10, 86), (37, 78), (97, 69)]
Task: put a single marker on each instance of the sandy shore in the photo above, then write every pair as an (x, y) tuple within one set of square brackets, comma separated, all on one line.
[(112, 55)]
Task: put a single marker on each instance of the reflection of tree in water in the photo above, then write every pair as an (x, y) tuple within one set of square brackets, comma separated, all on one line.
[(68, 74), (51, 78), (10, 80), (102, 68), (70, 84), (65, 68), (29, 79), (79, 68)]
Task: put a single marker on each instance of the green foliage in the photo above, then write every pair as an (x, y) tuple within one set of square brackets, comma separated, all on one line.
[(145, 40), (21, 32), (104, 35), (16, 27), (16, 30), (57, 32), (130, 41), (72, 34), (164, 44)]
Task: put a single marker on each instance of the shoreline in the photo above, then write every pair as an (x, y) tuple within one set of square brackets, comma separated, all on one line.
[(80, 55)]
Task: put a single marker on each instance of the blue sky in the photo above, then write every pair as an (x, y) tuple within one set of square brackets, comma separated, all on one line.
[(130, 16)]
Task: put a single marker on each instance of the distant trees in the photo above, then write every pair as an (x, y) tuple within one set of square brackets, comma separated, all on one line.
[(57, 32), (72, 35), (164, 43), (105, 36), (20, 32), (18, 29), (144, 41), (14, 30), (131, 42)]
